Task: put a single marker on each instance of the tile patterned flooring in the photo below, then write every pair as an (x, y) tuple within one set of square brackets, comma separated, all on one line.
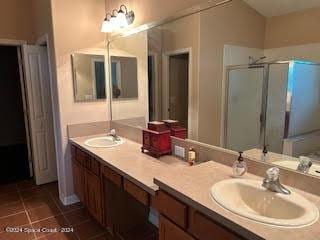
[(26, 206)]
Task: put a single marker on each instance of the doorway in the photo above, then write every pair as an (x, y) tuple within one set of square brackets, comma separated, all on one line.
[(13, 133), (178, 73), (27, 139)]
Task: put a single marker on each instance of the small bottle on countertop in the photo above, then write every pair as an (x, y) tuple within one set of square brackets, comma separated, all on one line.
[(265, 155), (191, 156), (239, 167)]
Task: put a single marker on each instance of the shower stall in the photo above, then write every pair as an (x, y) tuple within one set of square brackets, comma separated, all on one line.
[(269, 102)]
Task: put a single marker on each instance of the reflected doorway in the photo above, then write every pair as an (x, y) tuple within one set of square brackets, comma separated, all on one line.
[(178, 88)]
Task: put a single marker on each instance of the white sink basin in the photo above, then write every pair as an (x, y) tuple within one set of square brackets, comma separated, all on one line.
[(294, 165), (249, 199), (103, 142)]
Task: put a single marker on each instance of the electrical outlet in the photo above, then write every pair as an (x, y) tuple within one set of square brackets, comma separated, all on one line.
[(179, 151)]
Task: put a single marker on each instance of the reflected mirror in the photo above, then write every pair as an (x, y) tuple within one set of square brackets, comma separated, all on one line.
[(88, 77), (242, 75), (124, 77)]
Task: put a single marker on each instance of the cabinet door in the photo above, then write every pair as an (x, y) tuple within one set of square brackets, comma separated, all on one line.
[(169, 231), (79, 181), (93, 195)]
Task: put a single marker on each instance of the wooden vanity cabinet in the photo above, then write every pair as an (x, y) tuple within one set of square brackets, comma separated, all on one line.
[(87, 183), (93, 195), (79, 180), (169, 231), (179, 221)]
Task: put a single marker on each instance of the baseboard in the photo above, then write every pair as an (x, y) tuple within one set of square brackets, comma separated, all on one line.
[(69, 200)]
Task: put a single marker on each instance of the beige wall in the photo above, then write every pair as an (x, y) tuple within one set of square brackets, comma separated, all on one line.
[(16, 20), (297, 28), (76, 26), (185, 35), (234, 24), (151, 10), (133, 46), (42, 19)]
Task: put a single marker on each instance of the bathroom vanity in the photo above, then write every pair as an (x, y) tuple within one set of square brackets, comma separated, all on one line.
[(119, 185)]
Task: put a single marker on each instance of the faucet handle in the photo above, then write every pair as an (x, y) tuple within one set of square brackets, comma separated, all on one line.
[(273, 174), (113, 132)]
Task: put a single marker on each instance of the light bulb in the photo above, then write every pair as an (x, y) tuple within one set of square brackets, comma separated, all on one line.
[(114, 22), (106, 26), (122, 19)]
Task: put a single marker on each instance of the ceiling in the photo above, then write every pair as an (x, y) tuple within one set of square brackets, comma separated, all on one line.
[(270, 8)]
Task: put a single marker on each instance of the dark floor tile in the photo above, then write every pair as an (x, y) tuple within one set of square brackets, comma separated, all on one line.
[(88, 230), (78, 216), (59, 236), (105, 237), (18, 235), (8, 188), (37, 201), (11, 208), (9, 198), (68, 208), (51, 187), (26, 184), (13, 221), (33, 192), (50, 223), (45, 211)]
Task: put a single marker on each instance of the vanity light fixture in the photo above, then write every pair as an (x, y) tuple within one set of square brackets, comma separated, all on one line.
[(107, 26), (118, 19)]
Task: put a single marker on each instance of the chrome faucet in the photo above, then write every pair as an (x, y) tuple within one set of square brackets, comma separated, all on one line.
[(114, 135), (272, 182), (305, 164)]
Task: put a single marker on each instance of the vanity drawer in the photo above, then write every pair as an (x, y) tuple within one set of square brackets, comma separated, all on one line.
[(205, 229), (112, 176), (172, 208), (83, 158), (137, 192), (95, 166), (169, 231)]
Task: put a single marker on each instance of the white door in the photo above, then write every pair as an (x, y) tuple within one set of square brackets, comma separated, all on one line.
[(37, 81)]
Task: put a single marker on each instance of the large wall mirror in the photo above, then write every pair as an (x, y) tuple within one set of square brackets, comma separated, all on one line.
[(89, 78), (243, 75)]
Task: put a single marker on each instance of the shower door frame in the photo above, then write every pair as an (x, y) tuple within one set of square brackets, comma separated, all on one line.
[(264, 103)]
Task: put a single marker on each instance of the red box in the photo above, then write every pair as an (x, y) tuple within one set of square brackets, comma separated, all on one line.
[(179, 132), (171, 123), (156, 143), (157, 126)]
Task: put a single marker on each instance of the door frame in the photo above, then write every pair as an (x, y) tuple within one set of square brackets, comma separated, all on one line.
[(165, 84), (18, 44), (157, 87), (265, 79)]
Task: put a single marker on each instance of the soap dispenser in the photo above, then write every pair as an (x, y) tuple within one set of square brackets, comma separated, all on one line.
[(239, 167), (265, 155)]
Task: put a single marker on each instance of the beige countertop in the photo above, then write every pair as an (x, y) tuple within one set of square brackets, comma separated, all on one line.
[(128, 160), (193, 187)]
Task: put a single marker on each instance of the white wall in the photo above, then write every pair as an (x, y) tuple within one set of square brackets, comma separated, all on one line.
[(305, 106), (310, 52)]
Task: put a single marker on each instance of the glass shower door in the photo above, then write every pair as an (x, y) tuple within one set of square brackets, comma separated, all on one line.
[(244, 108)]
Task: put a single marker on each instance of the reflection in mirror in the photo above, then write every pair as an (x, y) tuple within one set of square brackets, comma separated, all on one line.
[(124, 77), (128, 64), (242, 76), (88, 77)]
